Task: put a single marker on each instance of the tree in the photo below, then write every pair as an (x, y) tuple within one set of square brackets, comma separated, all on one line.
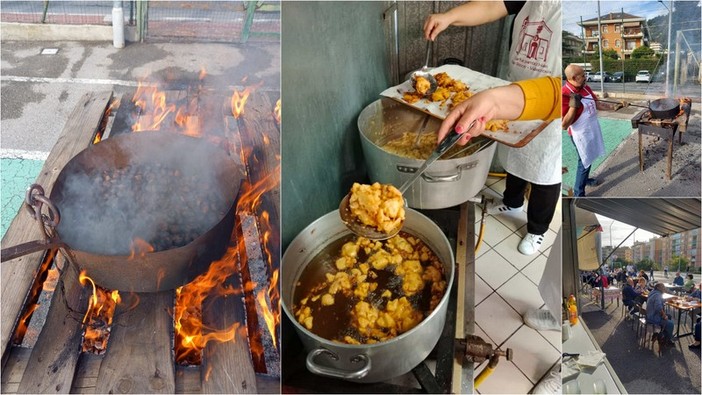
[(642, 52), (646, 264), (610, 53), (679, 263)]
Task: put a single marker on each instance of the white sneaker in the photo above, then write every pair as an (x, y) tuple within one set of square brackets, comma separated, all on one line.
[(550, 383), (500, 208), (530, 243), (541, 320)]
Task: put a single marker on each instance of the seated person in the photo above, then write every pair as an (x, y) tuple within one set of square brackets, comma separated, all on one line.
[(655, 314), (629, 295), (689, 283), (621, 276), (678, 280), (601, 281), (641, 285), (696, 335), (644, 275), (696, 292)]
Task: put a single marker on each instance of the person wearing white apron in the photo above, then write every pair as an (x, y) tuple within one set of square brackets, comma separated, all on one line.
[(580, 118), (535, 51)]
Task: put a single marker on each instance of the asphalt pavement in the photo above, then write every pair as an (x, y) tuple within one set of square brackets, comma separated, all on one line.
[(619, 174), (641, 370)]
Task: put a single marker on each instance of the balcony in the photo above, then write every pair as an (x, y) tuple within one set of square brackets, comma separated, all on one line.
[(632, 34), (592, 38), (589, 52)]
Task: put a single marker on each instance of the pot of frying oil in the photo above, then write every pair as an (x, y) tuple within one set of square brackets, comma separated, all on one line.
[(311, 257), (388, 132)]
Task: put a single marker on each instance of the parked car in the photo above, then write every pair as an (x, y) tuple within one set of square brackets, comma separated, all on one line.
[(643, 76), (617, 77), (588, 76), (598, 76)]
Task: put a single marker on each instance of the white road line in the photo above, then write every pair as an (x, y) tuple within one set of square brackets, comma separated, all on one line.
[(97, 81), (88, 81), (9, 153)]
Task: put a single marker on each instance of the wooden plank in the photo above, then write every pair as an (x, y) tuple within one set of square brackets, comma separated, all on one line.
[(187, 380), (260, 133), (139, 353), (17, 360), (87, 373), (465, 306), (227, 367), (18, 274), (266, 384), (54, 358)]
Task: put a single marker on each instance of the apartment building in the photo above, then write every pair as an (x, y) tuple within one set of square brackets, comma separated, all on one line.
[(620, 31)]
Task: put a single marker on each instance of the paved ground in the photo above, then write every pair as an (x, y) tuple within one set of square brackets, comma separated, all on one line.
[(619, 172), (676, 371), (38, 92)]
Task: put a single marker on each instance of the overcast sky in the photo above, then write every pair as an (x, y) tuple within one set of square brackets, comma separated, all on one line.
[(620, 231), (573, 10)]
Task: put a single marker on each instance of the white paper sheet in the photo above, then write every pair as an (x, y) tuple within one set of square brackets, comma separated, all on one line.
[(519, 133)]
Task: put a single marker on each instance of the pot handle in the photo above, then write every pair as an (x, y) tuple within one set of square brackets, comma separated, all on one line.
[(443, 178), (33, 202), (336, 373)]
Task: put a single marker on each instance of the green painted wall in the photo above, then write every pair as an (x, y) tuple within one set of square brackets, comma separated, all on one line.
[(335, 64)]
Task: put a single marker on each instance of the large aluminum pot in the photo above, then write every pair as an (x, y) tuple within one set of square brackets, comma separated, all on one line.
[(446, 183), (372, 362)]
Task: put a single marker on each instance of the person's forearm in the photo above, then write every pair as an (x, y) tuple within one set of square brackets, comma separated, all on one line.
[(541, 98), (568, 118), (476, 13)]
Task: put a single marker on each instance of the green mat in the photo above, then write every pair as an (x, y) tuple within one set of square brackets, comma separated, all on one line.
[(614, 131), (16, 174)]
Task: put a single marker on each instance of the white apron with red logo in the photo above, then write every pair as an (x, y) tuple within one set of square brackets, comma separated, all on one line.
[(586, 131), (536, 52)]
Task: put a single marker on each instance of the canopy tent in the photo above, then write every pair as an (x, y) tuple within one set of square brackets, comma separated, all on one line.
[(662, 216), (588, 233)]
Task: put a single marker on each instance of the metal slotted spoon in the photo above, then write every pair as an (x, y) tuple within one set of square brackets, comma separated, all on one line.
[(372, 233), (424, 72)]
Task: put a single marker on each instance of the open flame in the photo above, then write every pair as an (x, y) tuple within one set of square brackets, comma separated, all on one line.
[(139, 248), (238, 101), (276, 111), (191, 334), (98, 317)]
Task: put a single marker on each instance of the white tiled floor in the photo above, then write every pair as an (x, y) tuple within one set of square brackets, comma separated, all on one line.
[(506, 286)]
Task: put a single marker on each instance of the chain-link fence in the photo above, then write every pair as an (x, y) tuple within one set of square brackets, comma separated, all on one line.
[(215, 21), (58, 12)]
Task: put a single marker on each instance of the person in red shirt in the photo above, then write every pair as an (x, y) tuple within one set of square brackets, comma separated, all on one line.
[(579, 111)]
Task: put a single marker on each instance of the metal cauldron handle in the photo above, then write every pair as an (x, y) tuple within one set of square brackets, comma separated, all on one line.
[(34, 201), (336, 373)]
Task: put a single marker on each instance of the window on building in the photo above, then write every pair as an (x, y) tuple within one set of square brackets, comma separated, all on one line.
[(617, 28), (605, 43), (617, 43), (631, 45), (604, 29)]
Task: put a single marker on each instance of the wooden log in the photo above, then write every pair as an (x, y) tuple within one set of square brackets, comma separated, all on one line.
[(139, 353), (52, 365), (227, 367), (18, 274)]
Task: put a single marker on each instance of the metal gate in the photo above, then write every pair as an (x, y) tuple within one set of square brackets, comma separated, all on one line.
[(213, 21)]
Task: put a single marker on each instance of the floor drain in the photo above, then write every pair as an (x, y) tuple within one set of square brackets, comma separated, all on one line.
[(49, 51)]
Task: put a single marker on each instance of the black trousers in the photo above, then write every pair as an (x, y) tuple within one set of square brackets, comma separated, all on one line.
[(542, 202)]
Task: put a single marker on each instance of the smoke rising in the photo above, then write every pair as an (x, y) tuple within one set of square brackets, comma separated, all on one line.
[(164, 188)]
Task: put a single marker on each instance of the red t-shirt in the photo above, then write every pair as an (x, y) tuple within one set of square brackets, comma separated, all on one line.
[(565, 93)]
